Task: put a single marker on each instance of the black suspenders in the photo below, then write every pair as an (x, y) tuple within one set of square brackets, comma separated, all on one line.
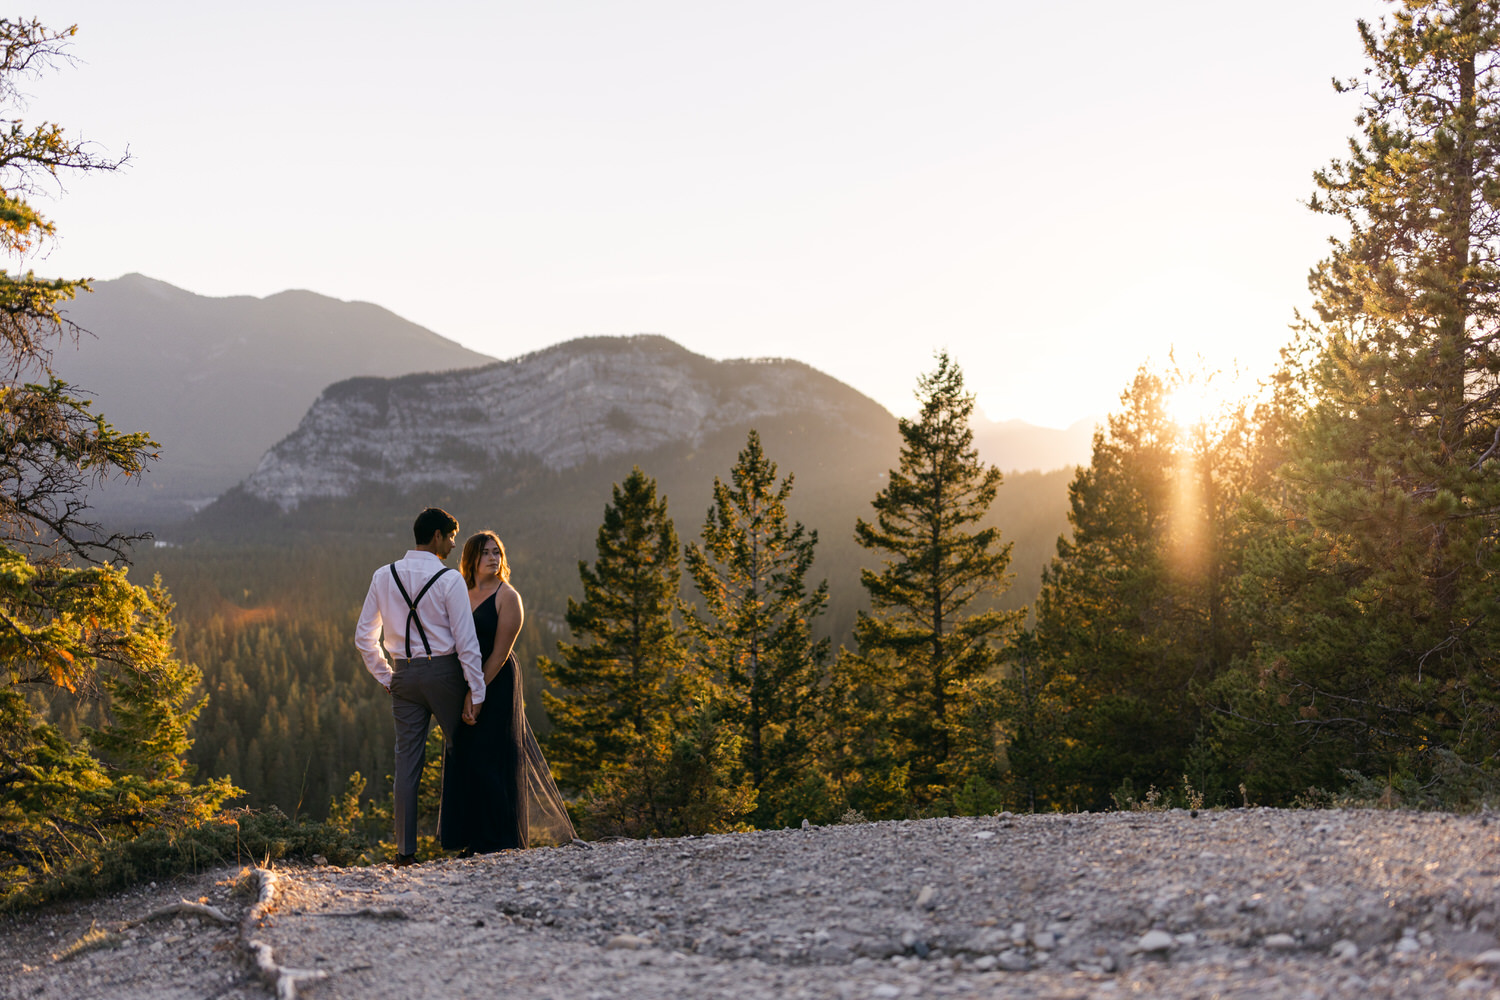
[(411, 608)]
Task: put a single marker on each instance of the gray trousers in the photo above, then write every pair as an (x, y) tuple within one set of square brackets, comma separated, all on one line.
[(421, 689)]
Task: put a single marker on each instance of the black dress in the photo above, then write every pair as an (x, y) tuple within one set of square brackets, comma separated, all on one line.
[(484, 798)]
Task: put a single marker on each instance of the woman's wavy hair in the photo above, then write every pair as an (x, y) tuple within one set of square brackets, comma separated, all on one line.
[(469, 560)]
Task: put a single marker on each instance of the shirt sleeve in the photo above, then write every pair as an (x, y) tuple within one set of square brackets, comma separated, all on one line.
[(367, 638), (465, 642)]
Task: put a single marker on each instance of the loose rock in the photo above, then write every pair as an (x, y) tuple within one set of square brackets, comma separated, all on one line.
[(1155, 941)]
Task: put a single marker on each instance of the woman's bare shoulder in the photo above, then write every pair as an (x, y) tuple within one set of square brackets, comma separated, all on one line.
[(507, 596)]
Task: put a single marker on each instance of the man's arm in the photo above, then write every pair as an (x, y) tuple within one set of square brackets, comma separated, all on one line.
[(367, 639), (465, 642)]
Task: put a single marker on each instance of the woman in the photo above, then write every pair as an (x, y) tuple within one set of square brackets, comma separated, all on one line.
[(491, 783)]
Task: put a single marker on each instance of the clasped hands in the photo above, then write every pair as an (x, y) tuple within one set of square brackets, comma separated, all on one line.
[(471, 710)]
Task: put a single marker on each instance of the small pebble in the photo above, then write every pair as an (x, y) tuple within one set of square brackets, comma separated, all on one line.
[(627, 942), (1155, 941)]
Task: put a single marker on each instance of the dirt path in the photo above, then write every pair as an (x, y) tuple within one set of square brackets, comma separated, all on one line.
[(1248, 903)]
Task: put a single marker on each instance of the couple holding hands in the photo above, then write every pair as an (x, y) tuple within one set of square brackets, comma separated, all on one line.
[(441, 643)]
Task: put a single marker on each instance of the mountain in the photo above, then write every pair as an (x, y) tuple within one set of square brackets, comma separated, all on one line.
[(1017, 445), (218, 381), (587, 401)]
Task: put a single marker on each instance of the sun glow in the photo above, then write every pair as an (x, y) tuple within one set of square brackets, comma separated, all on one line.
[(1199, 399)]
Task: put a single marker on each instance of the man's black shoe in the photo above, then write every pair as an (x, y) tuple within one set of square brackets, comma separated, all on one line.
[(402, 860)]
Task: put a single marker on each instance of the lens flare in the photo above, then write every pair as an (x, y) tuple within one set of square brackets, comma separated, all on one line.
[(1201, 399), (1193, 404)]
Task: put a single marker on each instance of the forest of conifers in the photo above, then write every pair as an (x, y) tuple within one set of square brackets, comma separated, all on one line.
[(1285, 597), (292, 712)]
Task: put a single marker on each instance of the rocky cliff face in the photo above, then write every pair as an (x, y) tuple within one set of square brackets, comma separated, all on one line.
[(583, 400)]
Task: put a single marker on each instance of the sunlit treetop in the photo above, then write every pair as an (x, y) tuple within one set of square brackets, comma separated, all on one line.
[(33, 157), (53, 447)]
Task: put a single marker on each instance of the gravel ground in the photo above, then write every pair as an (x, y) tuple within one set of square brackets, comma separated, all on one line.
[(1245, 903)]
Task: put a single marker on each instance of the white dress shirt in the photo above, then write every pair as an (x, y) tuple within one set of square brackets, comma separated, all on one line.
[(445, 614)]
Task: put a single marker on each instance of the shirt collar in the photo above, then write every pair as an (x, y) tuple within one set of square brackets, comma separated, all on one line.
[(422, 555)]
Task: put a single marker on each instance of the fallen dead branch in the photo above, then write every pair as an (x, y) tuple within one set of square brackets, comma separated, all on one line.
[(281, 978)]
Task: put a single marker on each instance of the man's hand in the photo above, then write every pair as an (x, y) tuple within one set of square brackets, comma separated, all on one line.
[(471, 710)]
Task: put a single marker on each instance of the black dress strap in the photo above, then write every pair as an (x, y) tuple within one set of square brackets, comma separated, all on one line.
[(411, 608)]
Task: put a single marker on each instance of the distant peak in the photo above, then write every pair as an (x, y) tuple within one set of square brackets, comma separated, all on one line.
[(651, 342), (145, 282), (134, 281)]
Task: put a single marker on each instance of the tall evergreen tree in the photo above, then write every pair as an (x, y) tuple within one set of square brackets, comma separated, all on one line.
[(68, 623), (618, 672), (755, 637), (932, 624), (633, 730), (1383, 622)]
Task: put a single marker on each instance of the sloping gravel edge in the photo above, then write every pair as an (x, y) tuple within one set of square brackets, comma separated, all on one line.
[(1252, 903)]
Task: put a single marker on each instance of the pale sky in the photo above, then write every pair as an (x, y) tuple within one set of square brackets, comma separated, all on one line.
[(1055, 193)]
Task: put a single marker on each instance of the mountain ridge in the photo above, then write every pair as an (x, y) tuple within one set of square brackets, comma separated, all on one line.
[(218, 380), (221, 381), (587, 399)]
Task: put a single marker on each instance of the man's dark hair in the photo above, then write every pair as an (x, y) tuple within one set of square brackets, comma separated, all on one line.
[(431, 520)]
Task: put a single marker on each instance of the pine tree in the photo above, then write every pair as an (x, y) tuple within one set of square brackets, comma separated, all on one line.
[(71, 625), (152, 706), (755, 635), (61, 800), (615, 679), (932, 623), (1377, 649), (625, 705)]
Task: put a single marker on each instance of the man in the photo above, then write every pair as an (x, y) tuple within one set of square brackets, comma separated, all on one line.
[(422, 607)]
